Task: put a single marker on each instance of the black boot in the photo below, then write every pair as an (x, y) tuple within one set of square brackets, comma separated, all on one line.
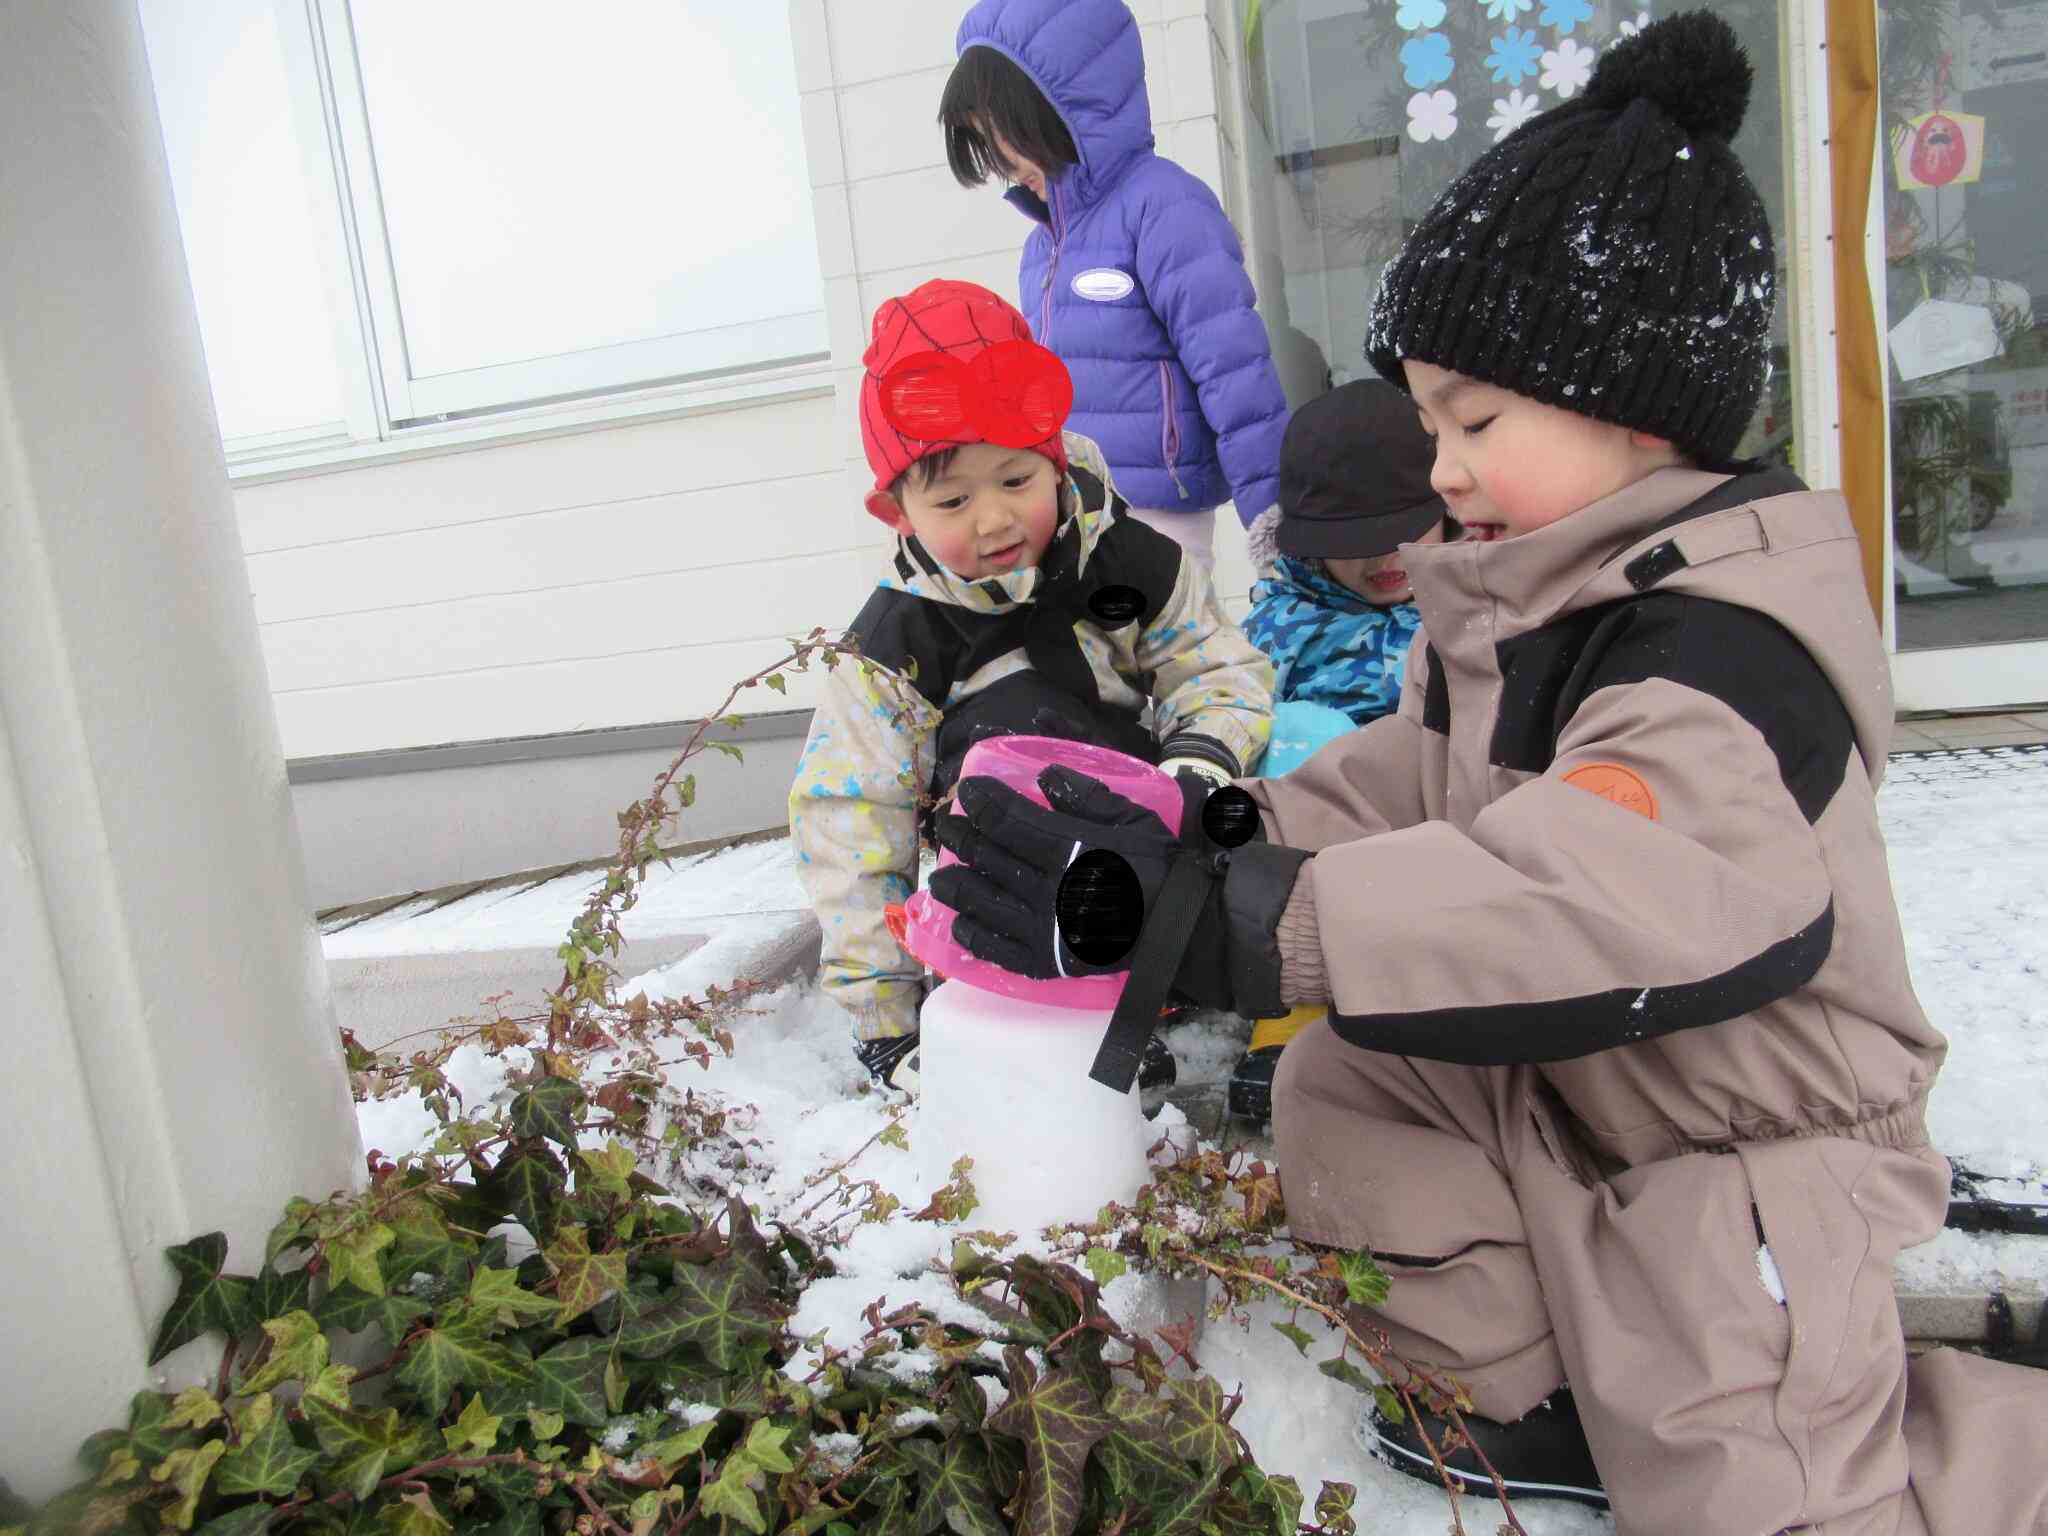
[(891, 1062), (1542, 1455), (1250, 1096), (1156, 1068)]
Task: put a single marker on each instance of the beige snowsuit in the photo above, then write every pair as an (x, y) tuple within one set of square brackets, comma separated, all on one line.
[(1624, 1077)]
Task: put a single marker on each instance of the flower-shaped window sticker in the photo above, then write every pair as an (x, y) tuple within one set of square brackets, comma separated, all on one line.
[(1514, 56), (1432, 115), (1564, 14), (1511, 111), (1567, 68), (1419, 15), (1426, 60)]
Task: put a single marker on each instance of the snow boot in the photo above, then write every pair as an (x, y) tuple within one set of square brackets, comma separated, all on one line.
[(891, 1061), (1542, 1455), (1156, 1068), (1250, 1096)]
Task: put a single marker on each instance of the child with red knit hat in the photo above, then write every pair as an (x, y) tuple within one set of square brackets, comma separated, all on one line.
[(1019, 598)]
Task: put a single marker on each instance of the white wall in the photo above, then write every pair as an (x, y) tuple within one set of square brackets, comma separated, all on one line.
[(628, 574)]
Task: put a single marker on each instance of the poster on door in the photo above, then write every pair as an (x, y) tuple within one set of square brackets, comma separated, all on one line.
[(1939, 149)]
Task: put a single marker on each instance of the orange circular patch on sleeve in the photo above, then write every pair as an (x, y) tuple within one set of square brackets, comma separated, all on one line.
[(1611, 781)]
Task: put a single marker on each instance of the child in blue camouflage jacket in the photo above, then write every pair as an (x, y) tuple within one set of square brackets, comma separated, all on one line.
[(1336, 613)]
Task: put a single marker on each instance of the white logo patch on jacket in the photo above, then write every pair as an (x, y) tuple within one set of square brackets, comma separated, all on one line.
[(1105, 285)]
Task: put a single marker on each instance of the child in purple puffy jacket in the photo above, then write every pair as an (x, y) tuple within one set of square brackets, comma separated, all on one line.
[(1133, 275)]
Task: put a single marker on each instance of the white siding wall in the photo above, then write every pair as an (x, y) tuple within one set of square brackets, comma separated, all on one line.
[(629, 574)]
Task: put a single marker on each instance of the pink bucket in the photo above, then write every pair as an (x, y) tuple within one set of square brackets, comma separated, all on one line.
[(926, 929)]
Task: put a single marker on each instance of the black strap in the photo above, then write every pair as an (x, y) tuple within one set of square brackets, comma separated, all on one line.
[(1155, 960)]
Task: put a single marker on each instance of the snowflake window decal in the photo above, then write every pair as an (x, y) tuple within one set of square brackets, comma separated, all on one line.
[(1567, 68), (1432, 115), (1514, 56), (1511, 111), (1426, 60)]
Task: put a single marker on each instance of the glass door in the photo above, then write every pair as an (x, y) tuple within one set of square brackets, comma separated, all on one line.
[(1360, 112), (1964, 89)]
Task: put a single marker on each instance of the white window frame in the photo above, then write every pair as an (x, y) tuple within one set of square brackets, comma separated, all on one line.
[(390, 414)]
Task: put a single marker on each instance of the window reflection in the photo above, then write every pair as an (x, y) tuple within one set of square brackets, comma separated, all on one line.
[(1964, 85)]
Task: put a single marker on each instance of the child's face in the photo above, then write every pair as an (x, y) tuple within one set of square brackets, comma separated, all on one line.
[(1508, 465), (1380, 579), (1020, 171), (992, 511)]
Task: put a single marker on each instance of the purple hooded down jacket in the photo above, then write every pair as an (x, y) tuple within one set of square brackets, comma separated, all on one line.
[(1135, 277)]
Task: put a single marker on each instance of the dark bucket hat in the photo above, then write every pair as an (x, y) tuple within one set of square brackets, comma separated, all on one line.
[(1354, 474)]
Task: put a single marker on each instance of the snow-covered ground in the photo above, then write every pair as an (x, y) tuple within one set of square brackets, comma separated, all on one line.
[(1968, 834)]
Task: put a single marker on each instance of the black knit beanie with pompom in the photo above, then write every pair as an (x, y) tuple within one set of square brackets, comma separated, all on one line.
[(1610, 256)]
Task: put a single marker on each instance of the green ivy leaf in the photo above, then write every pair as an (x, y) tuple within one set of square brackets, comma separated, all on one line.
[(498, 1295), (1300, 1338), (721, 1307), (274, 1294), (293, 1231), (582, 1278), (1278, 1499), (151, 1436), (358, 1445), (473, 1429), (426, 1245), (728, 1495), (1138, 1454), (267, 1460), (298, 1352), (207, 1300), (1333, 1508), (193, 1408), (1365, 1283), (1185, 1511), (1344, 1371), (351, 1311), (763, 1449), (352, 1257), (528, 1182), (545, 1425), (569, 1380), (893, 1135), (413, 1515), (955, 1487), (249, 1520), (608, 1170), (1105, 1264), (774, 680), (520, 1520), (441, 1359), (1059, 1421), (673, 1451), (549, 1109), (186, 1472), (1199, 1432)]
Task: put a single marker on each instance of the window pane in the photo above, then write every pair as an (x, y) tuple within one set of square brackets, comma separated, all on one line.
[(1965, 101), (239, 174), (559, 178), (1349, 176)]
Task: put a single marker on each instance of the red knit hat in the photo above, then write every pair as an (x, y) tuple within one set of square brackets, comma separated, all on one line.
[(951, 363)]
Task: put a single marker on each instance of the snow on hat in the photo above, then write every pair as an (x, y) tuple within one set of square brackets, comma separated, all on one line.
[(1610, 257), (950, 363)]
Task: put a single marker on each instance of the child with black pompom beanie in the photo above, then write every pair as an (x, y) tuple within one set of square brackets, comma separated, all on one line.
[(1622, 1078)]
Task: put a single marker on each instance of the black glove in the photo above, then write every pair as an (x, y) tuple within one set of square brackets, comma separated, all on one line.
[(1096, 883)]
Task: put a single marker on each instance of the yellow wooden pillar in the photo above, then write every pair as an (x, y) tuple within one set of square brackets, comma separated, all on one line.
[(1859, 358)]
